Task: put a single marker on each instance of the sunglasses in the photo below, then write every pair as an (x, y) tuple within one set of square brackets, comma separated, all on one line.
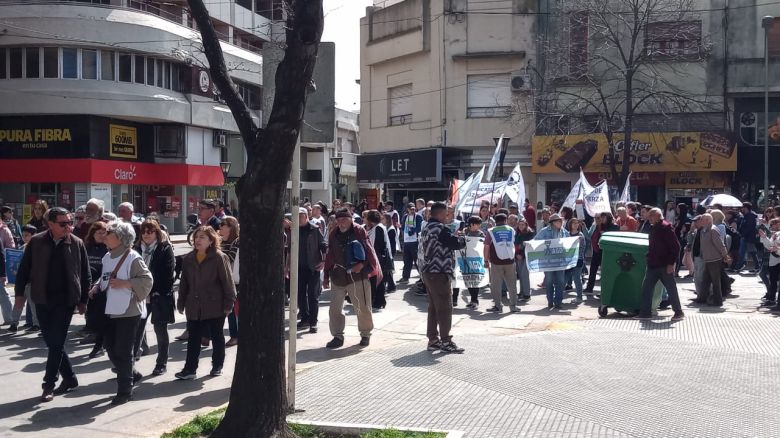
[(64, 224)]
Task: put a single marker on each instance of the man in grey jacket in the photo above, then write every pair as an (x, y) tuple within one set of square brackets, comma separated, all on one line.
[(713, 252)]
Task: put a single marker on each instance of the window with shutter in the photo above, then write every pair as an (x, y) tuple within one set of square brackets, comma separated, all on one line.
[(400, 104), (488, 95), (673, 38)]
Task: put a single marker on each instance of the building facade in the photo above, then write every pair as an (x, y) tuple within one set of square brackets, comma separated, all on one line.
[(440, 80), (112, 99)]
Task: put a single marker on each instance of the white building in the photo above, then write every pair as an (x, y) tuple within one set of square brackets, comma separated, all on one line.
[(112, 99)]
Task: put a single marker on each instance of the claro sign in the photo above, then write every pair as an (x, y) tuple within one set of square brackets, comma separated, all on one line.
[(125, 175), (402, 167)]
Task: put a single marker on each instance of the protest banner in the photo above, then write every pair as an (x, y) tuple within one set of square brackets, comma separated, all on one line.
[(13, 258), (470, 265), (552, 255)]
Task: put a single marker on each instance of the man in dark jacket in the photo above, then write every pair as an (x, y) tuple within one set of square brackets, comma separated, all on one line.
[(349, 269), (411, 225), (437, 245), (56, 266), (664, 247), (311, 255), (747, 229)]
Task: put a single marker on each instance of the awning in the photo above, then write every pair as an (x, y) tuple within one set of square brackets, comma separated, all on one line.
[(108, 171)]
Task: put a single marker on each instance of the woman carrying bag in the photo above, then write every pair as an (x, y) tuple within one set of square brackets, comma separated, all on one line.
[(207, 295), (377, 234), (157, 253)]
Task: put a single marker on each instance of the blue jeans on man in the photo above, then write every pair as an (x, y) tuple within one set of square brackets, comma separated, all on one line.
[(554, 283), (410, 258), (743, 251)]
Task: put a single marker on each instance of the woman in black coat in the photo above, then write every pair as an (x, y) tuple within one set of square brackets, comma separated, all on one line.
[(378, 236), (96, 308), (157, 253)]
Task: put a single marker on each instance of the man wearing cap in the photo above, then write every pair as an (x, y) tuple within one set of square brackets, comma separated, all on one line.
[(207, 214), (349, 269), (554, 281), (311, 253), (499, 256)]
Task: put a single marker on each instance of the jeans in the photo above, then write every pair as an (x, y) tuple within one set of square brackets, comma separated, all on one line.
[(653, 276), (196, 329), (554, 283), (698, 272), (309, 289), (743, 251), (55, 321), (161, 332), (595, 262), (525, 279), (410, 258), (17, 314), (439, 306), (575, 274), (119, 340), (774, 276)]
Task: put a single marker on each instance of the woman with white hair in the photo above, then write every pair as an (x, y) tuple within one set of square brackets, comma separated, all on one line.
[(127, 282)]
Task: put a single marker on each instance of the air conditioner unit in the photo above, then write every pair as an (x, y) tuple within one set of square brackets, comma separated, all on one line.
[(520, 82), (220, 139)]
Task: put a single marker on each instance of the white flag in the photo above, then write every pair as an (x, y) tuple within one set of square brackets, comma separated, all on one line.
[(586, 187), (573, 196), (515, 186), (495, 159), (597, 201), (625, 195), (471, 184)]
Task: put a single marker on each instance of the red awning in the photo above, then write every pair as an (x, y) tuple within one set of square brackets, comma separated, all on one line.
[(106, 171)]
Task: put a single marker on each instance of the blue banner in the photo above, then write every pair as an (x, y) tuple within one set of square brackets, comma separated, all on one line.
[(13, 258), (552, 255)]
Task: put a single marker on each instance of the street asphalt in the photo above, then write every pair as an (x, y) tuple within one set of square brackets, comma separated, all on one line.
[(531, 374)]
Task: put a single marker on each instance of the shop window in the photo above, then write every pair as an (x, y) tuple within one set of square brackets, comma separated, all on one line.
[(88, 64), (140, 69), (150, 71), (488, 95), (169, 141), (673, 38), (51, 62), (400, 104), (125, 67), (752, 128), (3, 63), (15, 63), (252, 96), (32, 63), (70, 63), (107, 66)]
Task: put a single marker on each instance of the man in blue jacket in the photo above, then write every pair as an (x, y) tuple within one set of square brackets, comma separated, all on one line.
[(747, 229)]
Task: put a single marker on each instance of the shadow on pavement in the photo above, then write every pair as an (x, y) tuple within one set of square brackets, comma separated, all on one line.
[(421, 359), (324, 354), (62, 416), (215, 399)]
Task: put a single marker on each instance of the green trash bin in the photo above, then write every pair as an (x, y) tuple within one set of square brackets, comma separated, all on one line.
[(622, 272)]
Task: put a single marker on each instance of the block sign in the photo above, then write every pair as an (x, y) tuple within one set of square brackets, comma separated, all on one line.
[(123, 141)]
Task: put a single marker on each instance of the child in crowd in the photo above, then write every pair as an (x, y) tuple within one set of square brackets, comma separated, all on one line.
[(27, 232)]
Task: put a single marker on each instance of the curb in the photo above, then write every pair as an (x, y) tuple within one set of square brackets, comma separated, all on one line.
[(357, 429)]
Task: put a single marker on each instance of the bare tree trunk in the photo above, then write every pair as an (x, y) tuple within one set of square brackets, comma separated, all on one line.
[(628, 127), (257, 404)]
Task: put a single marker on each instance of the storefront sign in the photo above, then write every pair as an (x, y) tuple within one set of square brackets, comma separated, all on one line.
[(50, 137), (649, 152), (102, 192), (123, 141), (637, 178), (697, 180), (408, 166)]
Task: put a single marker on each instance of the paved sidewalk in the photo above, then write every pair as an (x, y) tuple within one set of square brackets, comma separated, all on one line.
[(508, 356)]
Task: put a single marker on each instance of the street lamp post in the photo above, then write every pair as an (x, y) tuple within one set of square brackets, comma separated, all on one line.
[(336, 162), (766, 23)]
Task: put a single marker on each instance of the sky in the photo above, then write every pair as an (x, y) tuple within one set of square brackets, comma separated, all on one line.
[(342, 26)]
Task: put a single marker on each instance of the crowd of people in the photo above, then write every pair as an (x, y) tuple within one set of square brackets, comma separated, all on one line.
[(120, 270)]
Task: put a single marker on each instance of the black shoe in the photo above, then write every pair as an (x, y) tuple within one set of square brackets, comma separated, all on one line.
[(678, 316), (495, 309), (403, 280), (313, 329), (66, 386), (557, 307), (434, 346), (420, 292), (13, 328), (121, 399), (185, 375), (665, 304), (454, 303), (335, 343), (96, 352), (302, 325), (216, 372), (89, 339), (159, 370), (33, 329), (364, 341), (137, 377), (450, 347), (48, 395)]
